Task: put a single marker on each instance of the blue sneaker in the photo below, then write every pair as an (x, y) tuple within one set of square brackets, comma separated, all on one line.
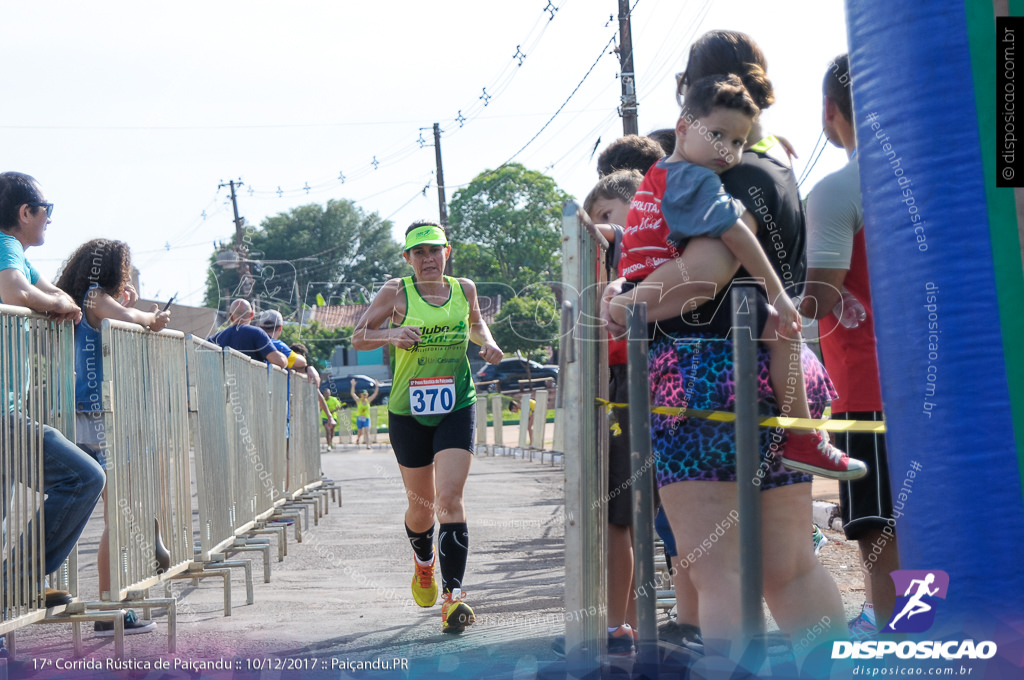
[(818, 538), (862, 627), (620, 641), (133, 625)]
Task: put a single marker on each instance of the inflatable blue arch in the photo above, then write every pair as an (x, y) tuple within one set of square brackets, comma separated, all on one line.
[(944, 251)]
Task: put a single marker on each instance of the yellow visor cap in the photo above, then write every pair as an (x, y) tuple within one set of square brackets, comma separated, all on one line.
[(429, 235)]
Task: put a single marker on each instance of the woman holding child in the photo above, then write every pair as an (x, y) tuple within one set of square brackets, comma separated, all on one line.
[(690, 363)]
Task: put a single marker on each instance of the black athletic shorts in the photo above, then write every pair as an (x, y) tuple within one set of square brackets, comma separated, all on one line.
[(416, 444), (714, 317), (620, 504), (620, 472), (866, 503)]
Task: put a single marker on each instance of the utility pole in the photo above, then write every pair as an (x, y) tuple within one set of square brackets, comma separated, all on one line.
[(246, 281), (442, 205), (234, 207), (626, 76)]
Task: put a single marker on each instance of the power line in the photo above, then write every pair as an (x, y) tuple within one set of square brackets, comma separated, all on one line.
[(571, 95), (497, 86), (473, 111), (661, 70), (814, 159)]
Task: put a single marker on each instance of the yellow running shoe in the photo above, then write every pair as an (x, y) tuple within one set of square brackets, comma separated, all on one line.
[(424, 586), (455, 613)]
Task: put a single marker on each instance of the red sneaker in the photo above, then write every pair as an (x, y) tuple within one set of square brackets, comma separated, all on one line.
[(811, 452)]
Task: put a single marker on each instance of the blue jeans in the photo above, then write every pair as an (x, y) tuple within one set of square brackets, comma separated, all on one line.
[(72, 482)]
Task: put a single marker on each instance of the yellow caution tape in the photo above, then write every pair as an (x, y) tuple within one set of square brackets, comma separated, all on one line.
[(875, 426)]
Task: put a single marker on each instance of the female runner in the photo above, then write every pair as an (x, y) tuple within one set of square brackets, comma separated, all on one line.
[(431, 412)]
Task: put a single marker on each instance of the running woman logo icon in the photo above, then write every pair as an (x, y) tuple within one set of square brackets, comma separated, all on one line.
[(915, 608)]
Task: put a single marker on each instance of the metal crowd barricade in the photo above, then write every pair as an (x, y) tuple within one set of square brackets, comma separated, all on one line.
[(522, 448), (37, 384), (499, 435), (524, 420), (558, 445), (481, 424), (272, 474), (148, 469), (374, 424), (259, 406), (251, 402), (227, 403), (581, 381), (277, 416), (304, 470), (540, 423), (557, 438), (343, 426)]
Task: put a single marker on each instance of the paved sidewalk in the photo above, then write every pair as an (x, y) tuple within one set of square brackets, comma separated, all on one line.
[(341, 598), (342, 595)]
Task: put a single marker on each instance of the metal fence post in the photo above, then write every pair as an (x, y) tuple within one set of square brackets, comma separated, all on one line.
[(524, 421), (586, 444), (481, 425), (496, 410), (748, 459), (33, 351), (540, 422), (641, 472)]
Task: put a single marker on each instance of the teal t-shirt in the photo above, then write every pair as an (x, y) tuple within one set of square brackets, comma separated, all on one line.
[(12, 256)]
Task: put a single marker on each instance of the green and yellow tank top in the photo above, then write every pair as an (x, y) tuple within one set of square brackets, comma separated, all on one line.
[(363, 407), (432, 378)]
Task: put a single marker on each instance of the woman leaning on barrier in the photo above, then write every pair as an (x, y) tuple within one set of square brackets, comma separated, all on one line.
[(696, 459), (430, 319), (97, 276)]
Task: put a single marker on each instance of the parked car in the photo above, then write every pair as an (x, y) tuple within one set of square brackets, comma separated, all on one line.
[(341, 387), (509, 372)]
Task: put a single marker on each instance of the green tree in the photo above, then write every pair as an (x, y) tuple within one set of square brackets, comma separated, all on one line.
[(514, 218), (320, 341), (528, 323), (336, 251)]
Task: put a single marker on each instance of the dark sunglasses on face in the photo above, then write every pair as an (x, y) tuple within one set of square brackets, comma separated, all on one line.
[(47, 206)]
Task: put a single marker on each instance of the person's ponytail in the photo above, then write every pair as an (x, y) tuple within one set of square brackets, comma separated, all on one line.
[(758, 85)]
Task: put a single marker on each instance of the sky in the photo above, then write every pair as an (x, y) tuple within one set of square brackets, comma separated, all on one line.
[(132, 114)]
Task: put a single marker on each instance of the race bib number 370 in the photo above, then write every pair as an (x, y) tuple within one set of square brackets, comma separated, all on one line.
[(431, 396)]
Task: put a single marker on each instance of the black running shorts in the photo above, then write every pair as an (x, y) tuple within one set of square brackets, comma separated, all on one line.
[(416, 444), (620, 504), (867, 502)]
